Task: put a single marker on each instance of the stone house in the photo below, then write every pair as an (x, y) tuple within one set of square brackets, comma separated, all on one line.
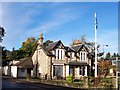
[(58, 61)]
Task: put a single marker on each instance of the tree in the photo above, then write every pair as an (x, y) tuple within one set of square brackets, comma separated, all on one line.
[(104, 67), (89, 45), (118, 55), (4, 54), (2, 33), (26, 50), (28, 47), (114, 55), (108, 55), (46, 43)]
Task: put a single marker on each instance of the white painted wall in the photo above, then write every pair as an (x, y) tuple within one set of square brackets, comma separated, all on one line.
[(67, 70), (34, 57), (86, 71), (14, 71), (32, 73), (6, 70), (22, 72)]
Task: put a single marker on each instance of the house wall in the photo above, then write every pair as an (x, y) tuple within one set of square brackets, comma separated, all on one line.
[(6, 70), (22, 72), (14, 71), (43, 63), (34, 57)]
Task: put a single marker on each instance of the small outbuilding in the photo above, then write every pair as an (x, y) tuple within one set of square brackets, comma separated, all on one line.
[(22, 68)]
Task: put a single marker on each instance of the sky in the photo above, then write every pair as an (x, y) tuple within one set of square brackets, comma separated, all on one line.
[(63, 21)]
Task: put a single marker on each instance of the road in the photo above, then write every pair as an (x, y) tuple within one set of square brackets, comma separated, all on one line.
[(10, 85)]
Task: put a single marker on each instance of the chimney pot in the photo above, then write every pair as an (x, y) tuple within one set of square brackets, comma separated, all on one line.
[(41, 35), (41, 39)]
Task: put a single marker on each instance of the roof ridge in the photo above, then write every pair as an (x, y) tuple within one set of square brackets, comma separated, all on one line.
[(77, 45), (55, 41), (22, 61)]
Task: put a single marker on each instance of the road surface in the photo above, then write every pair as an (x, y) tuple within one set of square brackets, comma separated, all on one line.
[(11, 85)]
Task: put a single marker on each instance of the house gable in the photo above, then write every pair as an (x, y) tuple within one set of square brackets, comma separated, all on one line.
[(54, 45), (80, 47)]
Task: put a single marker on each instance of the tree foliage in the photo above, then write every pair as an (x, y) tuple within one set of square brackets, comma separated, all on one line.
[(4, 53), (26, 50), (2, 33), (104, 67), (89, 45), (115, 55), (46, 43), (28, 47), (108, 55), (70, 78)]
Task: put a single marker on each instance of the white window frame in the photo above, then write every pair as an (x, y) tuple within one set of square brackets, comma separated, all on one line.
[(59, 54), (83, 56)]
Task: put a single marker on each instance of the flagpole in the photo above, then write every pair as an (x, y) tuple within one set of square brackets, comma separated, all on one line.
[(95, 45)]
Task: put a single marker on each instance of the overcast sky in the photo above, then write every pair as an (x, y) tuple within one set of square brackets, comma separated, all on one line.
[(60, 21)]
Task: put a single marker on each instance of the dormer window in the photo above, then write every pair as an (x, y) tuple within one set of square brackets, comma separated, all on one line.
[(83, 56), (59, 54)]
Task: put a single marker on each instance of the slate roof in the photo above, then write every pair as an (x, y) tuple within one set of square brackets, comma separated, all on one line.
[(69, 49), (77, 48), (54, 45), (25, 63), (51, 46), (47, 52)]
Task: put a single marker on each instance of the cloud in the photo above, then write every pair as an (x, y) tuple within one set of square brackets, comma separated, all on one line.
[(16, 17), (59, 18), (20, 22)]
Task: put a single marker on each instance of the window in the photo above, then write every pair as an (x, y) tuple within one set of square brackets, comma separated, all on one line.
[(22, 69), (55, 52), (82, 70), (58, 70), (83, 56), (59, 54), (70, 55), (71, 71)]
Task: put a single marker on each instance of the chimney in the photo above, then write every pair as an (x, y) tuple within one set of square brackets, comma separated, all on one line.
[(41, 39), (78, 42)]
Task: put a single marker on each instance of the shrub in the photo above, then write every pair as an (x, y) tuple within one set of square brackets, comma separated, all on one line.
[(70, 78), (28, 76)]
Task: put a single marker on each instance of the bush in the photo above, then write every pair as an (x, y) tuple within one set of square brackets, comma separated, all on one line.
[(28, 76), (70, 78)]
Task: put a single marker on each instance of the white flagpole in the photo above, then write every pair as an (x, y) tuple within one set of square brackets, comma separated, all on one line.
[(95, 45)]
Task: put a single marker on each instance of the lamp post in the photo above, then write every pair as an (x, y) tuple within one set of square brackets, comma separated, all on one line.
[(103, 49)]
